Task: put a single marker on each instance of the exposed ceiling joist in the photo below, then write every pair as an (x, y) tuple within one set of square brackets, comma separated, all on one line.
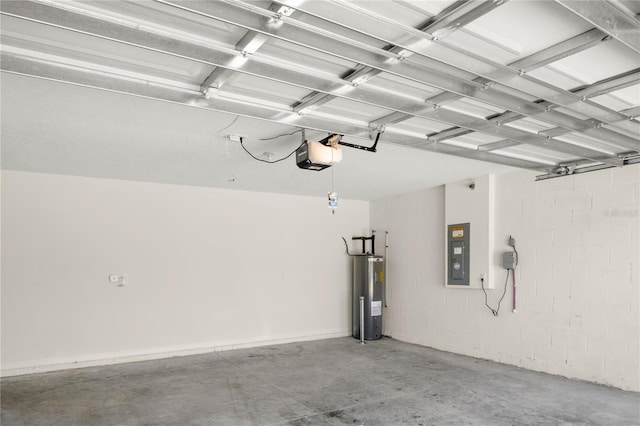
[(180, 48), (194, 99), (430, 91), (248, 45), (561, 50), (439, 75), (609, 18), (511, 76), (453, 17), (567, 170)]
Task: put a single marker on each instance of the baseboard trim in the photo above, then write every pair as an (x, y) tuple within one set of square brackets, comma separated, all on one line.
[(97, 360)]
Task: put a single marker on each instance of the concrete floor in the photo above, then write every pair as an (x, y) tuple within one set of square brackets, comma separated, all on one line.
[(327, 382)]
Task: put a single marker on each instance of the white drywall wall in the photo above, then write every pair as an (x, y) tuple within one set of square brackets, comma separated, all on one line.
[(208, 268), (578, 286), (476, 206)]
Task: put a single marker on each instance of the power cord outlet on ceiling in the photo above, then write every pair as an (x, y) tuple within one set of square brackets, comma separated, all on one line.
[(234, 138)]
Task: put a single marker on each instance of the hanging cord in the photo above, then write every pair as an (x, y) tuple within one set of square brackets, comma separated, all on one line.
[(275, 137), (486, 302), (332, 193), (233, 174), (346, 246), (512, 244)]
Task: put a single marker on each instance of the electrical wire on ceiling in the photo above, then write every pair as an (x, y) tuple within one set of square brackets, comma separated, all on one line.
[(274, 137), (279, 136), (332, 195), (229, 125)]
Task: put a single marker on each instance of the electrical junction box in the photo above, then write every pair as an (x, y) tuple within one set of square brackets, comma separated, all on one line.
[(509, 260), (458, 244)]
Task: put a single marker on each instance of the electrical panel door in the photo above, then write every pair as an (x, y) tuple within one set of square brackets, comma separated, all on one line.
[(458, 237)]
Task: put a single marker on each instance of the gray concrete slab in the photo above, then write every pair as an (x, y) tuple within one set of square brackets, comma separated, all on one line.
[(327, 382)]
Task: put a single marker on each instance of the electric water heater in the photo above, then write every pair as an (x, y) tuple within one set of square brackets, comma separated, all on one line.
[(368, 281)]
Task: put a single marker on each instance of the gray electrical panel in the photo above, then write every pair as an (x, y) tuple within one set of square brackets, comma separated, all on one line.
[(509, 260), (458, 237)]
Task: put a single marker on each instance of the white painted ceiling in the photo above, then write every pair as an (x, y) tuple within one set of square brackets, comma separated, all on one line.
[(457, 89)]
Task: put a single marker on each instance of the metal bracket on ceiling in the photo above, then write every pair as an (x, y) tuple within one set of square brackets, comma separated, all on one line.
[(568, 170), (376, 130), (558, 171), (565, 170), (629, 157)]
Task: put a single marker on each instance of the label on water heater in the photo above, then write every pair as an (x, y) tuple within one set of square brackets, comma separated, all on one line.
[(376, 308)]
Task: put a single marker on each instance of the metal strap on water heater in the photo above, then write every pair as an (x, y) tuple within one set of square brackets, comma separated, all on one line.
[(362, 320)]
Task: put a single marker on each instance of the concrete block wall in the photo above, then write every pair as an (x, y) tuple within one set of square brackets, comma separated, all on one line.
[(577, 281)]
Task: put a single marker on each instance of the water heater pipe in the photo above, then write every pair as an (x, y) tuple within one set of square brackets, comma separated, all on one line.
[(347, 247), (372, 238), (362, 320)]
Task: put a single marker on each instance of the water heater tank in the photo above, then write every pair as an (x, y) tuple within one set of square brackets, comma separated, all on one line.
[(368, 281)]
